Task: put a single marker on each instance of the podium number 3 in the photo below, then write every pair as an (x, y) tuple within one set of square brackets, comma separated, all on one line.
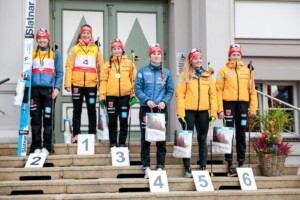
[(121, 155)]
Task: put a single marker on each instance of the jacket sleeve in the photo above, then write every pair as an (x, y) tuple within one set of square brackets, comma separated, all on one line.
[(69, 67), (139, 87), (58, 71), (180, 96), (169, 89), (103, 81), (219, 90), (132, 79), (213, 98), (253, 98)]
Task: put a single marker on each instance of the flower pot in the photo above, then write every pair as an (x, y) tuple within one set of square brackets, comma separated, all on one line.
[(272, 165)]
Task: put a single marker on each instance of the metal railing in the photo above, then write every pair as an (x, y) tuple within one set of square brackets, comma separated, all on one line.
[(283, 103)]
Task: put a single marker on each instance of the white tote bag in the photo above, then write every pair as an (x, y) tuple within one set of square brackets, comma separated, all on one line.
[(103, 133), (222, 140), (183, 144), (155, 127)]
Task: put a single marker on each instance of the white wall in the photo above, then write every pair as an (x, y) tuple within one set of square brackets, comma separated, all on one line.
[(12, 20)]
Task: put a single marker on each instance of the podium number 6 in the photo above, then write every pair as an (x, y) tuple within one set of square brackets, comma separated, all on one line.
[(246, 179)]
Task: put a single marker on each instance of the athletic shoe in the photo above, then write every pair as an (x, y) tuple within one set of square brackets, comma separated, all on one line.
[(45, 151), (188, 173), (159, 169), (122, 145), (75, 139), (147, 172), (202, 168), (38, 151), (232, 171)]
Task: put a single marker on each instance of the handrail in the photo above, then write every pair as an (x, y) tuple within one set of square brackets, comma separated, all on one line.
[(278, 100), (281, 102)]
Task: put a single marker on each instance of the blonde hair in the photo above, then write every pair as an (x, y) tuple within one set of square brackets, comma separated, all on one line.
[(188, 71)]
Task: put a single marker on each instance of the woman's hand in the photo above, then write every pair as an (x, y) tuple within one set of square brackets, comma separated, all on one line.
[(68, 89), (221, 115), (161, 105), (55, 93)]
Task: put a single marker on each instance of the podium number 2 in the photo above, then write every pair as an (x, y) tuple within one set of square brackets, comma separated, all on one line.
[(36, 162)]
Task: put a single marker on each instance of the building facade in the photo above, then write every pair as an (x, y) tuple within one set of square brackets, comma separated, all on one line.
[(268, 31)]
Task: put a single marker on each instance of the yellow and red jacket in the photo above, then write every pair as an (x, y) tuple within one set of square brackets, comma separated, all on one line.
[(197, 94), (117, 77), (83, 65), (233, 84)]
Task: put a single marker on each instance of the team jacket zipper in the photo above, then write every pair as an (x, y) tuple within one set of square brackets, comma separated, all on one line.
[(238, 84)]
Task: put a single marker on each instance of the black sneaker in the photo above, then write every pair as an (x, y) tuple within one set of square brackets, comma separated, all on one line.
[(122, 145), (232, 171)]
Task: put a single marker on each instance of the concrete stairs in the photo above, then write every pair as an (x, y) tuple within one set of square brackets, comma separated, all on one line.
[(66, 175)]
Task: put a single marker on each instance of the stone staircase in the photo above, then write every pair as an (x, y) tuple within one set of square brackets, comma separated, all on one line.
[(66, 175)]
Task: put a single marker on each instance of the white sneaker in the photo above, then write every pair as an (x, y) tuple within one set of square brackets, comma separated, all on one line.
[(45, 151), (37, 151), (159, 169), (147, 172)]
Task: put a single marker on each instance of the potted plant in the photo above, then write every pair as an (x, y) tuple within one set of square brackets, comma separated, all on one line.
[(269, 145)]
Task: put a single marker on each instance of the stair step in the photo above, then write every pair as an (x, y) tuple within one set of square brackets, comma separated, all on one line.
[(100, 148), (105, 159), (112, 185), (275, 194), (95, 172)]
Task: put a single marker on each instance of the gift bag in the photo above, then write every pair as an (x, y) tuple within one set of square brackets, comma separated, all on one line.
[(183, 144), (155, 127), (102, 133), (222, 139)]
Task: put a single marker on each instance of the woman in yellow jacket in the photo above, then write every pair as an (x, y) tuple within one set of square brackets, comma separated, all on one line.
[(237, 99), (82, 77), (117, 92), (195, 97)]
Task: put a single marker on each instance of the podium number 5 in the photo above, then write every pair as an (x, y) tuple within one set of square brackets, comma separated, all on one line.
[(202, 179)]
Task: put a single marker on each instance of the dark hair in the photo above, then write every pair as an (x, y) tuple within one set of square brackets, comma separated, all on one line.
[(78, 37)]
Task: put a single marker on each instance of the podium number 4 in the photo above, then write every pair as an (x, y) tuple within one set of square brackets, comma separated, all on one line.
[(158, 181)]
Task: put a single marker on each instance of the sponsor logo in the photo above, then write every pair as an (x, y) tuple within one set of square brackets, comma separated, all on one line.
[(48, 110), (75, 90), (92, 101), (228, 112), (140, 75), (124, 114), (31, 102), (144, 119), (29, 33), (110, 104)]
